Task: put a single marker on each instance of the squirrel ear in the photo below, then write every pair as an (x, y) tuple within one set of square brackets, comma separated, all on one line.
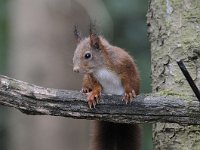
[(94, 41), (77, 34)]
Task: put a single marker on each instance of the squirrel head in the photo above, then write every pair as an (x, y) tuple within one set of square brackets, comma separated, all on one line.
[(88, 55)]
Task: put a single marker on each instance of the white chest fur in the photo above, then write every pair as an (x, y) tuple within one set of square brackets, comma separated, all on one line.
[(110, 82)]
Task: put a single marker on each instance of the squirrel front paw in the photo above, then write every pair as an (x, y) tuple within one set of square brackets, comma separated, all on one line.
[(128, 96), (93, 98)]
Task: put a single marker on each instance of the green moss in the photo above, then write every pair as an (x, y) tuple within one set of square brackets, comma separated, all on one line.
[(173, 93), (176, 3), (168, 25), (188, 35), (163, 5)]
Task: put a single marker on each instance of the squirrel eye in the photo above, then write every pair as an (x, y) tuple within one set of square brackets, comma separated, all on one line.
[(88, 55)]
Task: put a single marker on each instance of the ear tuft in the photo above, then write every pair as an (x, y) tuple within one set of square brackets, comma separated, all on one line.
[(94, 38), (77, 34)]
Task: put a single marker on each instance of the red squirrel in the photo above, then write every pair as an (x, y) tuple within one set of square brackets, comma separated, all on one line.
[(111, 70)]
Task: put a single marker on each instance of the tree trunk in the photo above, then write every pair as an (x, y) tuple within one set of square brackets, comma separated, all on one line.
[(174, 32)]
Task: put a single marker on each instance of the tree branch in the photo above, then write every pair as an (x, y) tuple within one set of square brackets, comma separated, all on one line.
[(34, 100)]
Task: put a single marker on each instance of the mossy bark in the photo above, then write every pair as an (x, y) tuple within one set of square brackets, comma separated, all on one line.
[(174, 33)]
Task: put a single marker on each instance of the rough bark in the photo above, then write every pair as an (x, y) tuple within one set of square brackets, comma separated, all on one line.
[(174, 33), (34, 100)]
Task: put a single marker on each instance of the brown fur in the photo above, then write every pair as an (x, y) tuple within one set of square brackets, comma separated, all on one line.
[(93, 88), (108, 136), (111, 57)]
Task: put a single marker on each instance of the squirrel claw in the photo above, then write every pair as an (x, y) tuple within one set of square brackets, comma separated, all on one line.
[(85, 90), (93, 99), (128, 96), (91, 104)]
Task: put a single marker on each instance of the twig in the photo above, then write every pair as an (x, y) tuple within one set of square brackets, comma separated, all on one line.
[(189, 78)]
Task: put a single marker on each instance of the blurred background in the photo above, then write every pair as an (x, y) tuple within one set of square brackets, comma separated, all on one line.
[(37, 45)]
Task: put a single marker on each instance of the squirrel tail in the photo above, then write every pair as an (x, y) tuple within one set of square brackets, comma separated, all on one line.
[(115, 136)]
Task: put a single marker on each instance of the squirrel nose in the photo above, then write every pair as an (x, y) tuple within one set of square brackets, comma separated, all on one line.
[(76, 69)]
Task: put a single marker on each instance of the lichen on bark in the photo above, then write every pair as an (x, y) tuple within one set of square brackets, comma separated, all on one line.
[(174, 33)]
